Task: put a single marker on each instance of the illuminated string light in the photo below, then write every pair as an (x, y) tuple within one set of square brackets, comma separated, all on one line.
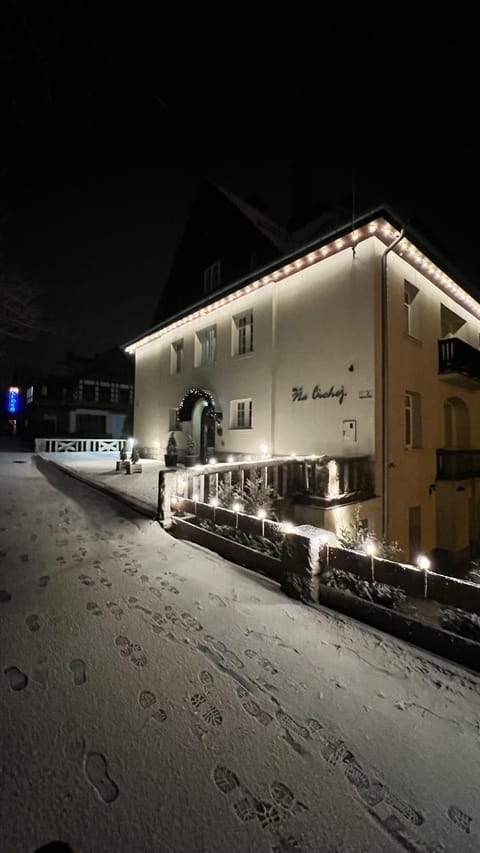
[(379, 227)]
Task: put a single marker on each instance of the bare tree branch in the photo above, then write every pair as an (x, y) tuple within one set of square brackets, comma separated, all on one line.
[(20, 315)]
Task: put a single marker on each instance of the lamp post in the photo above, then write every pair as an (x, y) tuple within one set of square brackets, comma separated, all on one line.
[(423, 563), (262, 514), (214, 503), (237, 507), (371, 550)]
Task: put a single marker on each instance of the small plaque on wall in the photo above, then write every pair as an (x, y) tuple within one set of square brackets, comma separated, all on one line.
[(349, 430)]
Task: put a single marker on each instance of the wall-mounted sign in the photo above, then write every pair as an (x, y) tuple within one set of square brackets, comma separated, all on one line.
[(12, 400), (367, 394), (319, 393), (349, 430)]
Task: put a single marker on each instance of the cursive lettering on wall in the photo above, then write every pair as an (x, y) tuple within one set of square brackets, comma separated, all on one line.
[(297, 393), (319, 394)]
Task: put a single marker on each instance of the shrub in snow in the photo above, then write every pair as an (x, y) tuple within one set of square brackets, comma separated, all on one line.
[(357, 536), (258, 543), (377, 593), (460, 622)]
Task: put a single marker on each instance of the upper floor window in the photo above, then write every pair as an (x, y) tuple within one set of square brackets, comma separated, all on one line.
[(241, 414), (88, 391), (206, 346), (30, 394), (243, 333), (176, 357), (411, 305), (413, 419), (212, 277), (450, 322), (105, 393)]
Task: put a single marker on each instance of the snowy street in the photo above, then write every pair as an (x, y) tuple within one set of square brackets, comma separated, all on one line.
[(155, 698)]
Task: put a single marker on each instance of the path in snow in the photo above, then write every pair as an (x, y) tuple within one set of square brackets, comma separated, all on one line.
[(155, 697)]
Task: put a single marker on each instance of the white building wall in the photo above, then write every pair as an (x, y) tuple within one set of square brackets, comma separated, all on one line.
[(324, 338), (303, 336)]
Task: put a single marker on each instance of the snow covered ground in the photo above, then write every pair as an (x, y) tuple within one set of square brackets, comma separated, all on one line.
[(156, 698)]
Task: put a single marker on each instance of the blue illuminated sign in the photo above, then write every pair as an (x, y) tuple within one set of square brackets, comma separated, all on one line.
[(13, 401)]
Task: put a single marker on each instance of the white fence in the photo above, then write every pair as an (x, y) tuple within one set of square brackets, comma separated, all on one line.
[(79, 445)]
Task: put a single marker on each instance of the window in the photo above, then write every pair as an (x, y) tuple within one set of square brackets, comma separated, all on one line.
[(176, 357), (173, 422), (90, 424), (105, 393), (212, 277), (411, 308), (124, 395), (450, 322), (243, 333), (30, 394), (413, 419), (241, 414), (88, 391), (206, 346)]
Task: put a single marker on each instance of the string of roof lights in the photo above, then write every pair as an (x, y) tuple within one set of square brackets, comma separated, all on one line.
[(377, 227)]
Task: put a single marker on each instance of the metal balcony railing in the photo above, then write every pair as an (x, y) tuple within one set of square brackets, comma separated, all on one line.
[(458, 464), (457, 357)]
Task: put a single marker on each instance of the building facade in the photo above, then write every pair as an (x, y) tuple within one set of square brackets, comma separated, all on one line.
[(360, 346), (94, 397)]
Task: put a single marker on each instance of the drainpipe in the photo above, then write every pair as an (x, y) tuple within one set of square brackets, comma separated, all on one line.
[(273, 383), (384, 322)]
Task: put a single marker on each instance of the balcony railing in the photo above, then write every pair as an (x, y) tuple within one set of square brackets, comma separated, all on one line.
[(458, 362), (307, 478), (458, 464), (79, 445)]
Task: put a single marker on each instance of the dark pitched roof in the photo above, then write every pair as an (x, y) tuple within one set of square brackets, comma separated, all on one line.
[(331, 232), (274, 232)]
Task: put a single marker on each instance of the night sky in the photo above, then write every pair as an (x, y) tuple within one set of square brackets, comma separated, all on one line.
[(112, 113)]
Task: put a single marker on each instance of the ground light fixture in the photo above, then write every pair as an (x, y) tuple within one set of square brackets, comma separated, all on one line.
[(176, 503), (237, 507), (214, 502), (261, 513), (423, 563), (371, 550)]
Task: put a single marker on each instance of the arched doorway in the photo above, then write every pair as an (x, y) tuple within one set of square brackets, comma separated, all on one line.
[(456, 422), (197, 408)]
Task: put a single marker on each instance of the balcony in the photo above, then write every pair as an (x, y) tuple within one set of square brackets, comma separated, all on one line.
[(458, 363), (458, 464)]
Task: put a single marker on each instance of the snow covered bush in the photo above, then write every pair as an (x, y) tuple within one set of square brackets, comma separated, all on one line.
[(357, 536), (377, 593)]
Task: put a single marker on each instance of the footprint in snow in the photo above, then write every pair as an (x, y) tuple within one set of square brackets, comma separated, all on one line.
[(16, 678)]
